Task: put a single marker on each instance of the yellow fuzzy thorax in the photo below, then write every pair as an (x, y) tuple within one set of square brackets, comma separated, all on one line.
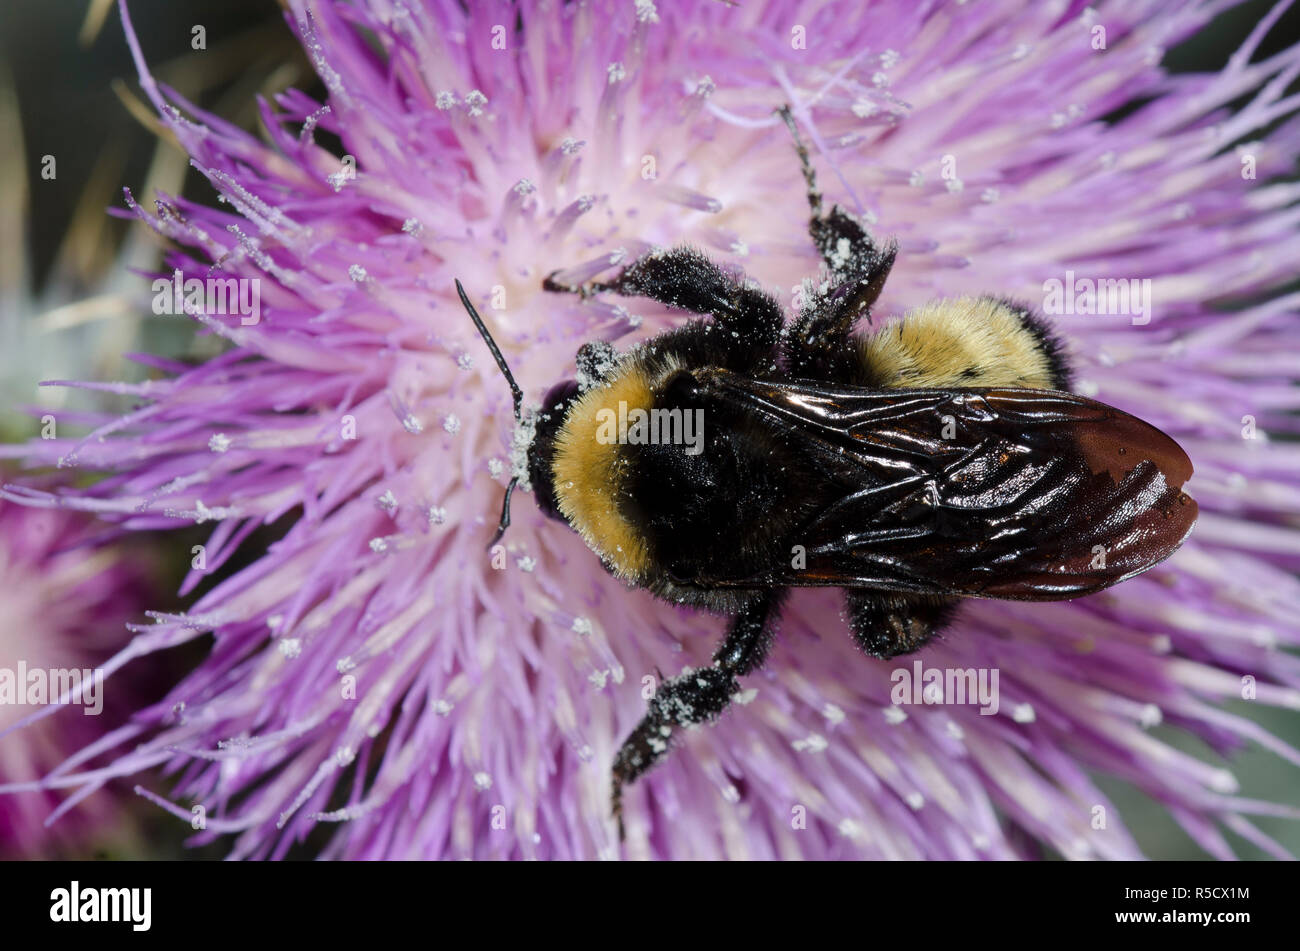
[(934, 346), (589, 473)]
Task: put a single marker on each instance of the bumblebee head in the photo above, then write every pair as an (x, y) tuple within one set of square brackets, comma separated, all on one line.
[(541, 431), (541, 450)]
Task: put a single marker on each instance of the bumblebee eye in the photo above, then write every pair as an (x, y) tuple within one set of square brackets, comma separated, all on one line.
[(556, 400), (540, 453)]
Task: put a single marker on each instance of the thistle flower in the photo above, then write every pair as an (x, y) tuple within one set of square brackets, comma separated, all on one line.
[(65, 603), (375, 670)]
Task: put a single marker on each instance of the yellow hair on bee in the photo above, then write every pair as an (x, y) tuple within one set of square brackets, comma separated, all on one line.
[(964, 341), (589, 473)]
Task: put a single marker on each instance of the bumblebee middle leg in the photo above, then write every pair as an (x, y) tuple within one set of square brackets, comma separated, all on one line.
[(887, 623), (817, 344), (695, 696)]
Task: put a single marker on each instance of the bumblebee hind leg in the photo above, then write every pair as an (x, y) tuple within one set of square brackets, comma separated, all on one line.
[(886, 623)]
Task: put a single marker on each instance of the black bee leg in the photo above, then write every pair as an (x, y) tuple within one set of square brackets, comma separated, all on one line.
[(683, 277), (694, 696), (886, 624), (817, 345), (845, 245), (805, 163)]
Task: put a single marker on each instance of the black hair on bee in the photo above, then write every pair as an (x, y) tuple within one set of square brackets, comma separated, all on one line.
[(936, 458)]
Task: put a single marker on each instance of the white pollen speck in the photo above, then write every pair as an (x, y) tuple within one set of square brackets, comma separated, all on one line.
[(894, 715), (746, 696), (646, 12), (955, 730), (571, 146), (290, 647), (378, 545), (1024, 713), (344, 755), (915, 800), (437, 515), (357, 273), (1088, 388), (220, 442), (387, 501), (585, 753), (863, 108), (889, 59), (451, 423), (599, 678), (524, 187), (1150, 715), (475, 101), (879, 80), (413, 226), (916, 179), (1263, 637), (1223, 781), (344, 664), (495, 467), (482, 781), (840, 256), (582, 626), (412, 425), (526, 563), (954, 184), (1021, 51), (274, 621), (465, 362), (739, 248), (616, 73), (833, 713), (850, 828), (989, 196), (1162, 644), (443, 707), (445, 100), (815, 743)]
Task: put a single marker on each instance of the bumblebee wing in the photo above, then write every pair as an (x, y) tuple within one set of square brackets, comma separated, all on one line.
[(1001, 493)]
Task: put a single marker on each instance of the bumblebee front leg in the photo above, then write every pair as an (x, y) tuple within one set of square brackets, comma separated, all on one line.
[(886, 623), (695, 696), (683, 277)]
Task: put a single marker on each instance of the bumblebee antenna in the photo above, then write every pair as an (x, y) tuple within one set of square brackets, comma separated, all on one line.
[(515, 391)]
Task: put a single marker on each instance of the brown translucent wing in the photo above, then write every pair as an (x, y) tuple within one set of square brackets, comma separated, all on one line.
[(998, 493)]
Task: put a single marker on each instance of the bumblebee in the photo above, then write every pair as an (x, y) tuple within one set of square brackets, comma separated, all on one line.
[(937, 458)]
